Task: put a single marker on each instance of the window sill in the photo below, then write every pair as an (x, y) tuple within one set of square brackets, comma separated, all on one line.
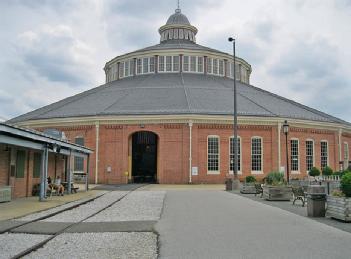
[(239, 172), (213, 172), (256, 172), (295, 172)]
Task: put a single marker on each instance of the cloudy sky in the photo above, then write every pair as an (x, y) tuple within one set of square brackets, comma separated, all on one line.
[(51, 49)]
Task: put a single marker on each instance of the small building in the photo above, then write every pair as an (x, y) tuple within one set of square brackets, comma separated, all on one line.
[(28, 157), (165, 114)]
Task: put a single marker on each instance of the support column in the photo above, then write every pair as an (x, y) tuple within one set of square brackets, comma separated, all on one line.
[(87, 174), (226, 68), (43, 174), (180, 63), (279, 147), (69, 178), (205, 65), (190, 150), (156, 64), (340, 145), (97, 127)]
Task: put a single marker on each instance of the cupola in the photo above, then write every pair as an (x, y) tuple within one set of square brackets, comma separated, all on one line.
[(177, 27)]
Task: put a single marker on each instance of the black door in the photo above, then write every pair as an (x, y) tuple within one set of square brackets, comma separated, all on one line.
[(144, 157)]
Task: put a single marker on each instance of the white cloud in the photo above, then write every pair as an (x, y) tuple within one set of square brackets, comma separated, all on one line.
[(53, 49)]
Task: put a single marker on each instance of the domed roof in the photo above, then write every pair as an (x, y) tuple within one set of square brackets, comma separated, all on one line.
[(177, 18), (161, 94)]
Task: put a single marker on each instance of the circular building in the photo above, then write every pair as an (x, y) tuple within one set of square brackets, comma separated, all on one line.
[(165, 114)]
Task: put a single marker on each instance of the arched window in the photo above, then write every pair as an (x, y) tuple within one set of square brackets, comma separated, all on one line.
[(231, 154), (309, 155), (294, 155), (324, 154), (256, 155), (79, 161), (212, 154)]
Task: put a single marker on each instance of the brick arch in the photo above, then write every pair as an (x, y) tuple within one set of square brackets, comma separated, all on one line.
[(130, 153)]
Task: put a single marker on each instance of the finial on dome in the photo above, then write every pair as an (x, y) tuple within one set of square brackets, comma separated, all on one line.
[(178, 8)]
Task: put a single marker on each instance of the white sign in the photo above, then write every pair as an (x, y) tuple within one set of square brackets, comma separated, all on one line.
[(282, 169), (194, 170)]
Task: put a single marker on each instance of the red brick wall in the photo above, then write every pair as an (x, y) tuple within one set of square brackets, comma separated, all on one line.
[(310, 134), (173, 149), (4, 165)]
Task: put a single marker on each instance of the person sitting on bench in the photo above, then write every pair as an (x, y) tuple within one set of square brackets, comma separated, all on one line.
[(58, 186)]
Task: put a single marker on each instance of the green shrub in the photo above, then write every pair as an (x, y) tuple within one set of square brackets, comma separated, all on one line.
[(275, 178), (327, 171), (314, 172), (345, 184), (250, 179), (338, 193)]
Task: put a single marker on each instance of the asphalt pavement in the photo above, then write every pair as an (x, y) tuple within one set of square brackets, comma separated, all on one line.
[(217, 224)]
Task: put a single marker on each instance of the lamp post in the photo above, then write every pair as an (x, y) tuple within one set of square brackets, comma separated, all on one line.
[(286, 131), (235, 126)]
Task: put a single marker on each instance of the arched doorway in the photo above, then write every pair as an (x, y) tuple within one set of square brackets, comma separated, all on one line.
[(144, 157)]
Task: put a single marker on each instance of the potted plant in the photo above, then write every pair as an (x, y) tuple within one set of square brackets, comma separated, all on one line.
[(249, 185), (327, 171), (339, 203), (314, 172), (275, 188)]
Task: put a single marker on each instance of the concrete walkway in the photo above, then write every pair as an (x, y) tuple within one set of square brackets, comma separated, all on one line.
[(216, 224), (24, 206)]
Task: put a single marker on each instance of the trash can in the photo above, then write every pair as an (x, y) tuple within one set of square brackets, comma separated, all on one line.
[(316, 198), (229, 184)]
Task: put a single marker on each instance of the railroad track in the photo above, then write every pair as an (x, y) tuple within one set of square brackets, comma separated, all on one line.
[(42, 243)]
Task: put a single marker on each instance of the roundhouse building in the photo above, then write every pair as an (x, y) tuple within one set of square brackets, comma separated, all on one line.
[(165, 114)]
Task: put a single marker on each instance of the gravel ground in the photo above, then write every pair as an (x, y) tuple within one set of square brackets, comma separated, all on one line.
[(85, 210), (12, 244), (99, 245), (40, 214), (137, 206)]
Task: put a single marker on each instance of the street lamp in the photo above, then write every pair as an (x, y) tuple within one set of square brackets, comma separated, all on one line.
[(286, 131), (236, 180)]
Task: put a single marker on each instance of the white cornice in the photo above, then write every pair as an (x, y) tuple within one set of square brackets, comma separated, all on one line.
[(147, 53), (196, 119)]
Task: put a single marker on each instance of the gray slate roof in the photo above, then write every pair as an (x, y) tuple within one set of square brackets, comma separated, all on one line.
[(178, 18), (175, 93)]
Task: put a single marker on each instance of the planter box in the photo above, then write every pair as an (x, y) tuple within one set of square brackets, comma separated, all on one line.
[(5, 193), (339, 208), (277, 193), (248, 188)]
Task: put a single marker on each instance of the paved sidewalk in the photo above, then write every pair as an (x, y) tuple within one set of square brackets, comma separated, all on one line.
[(24, 206), (217, 224), (299, 210)]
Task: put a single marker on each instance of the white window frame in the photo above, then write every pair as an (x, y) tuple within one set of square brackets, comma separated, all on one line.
[(141, 65), (164, 70), (241, 156), (190, 57), (209, 65), (121, 69), (313, 153), (219, 155), (326, 141), (262, 155), (298, 156), (346, 155)]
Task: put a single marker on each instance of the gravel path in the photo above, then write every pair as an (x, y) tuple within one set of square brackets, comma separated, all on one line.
[(99, 245), (12, 244), (85, 210), (137, 206)]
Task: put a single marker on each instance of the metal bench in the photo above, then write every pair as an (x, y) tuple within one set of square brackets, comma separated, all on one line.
[(299, 194), (259, 189)]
